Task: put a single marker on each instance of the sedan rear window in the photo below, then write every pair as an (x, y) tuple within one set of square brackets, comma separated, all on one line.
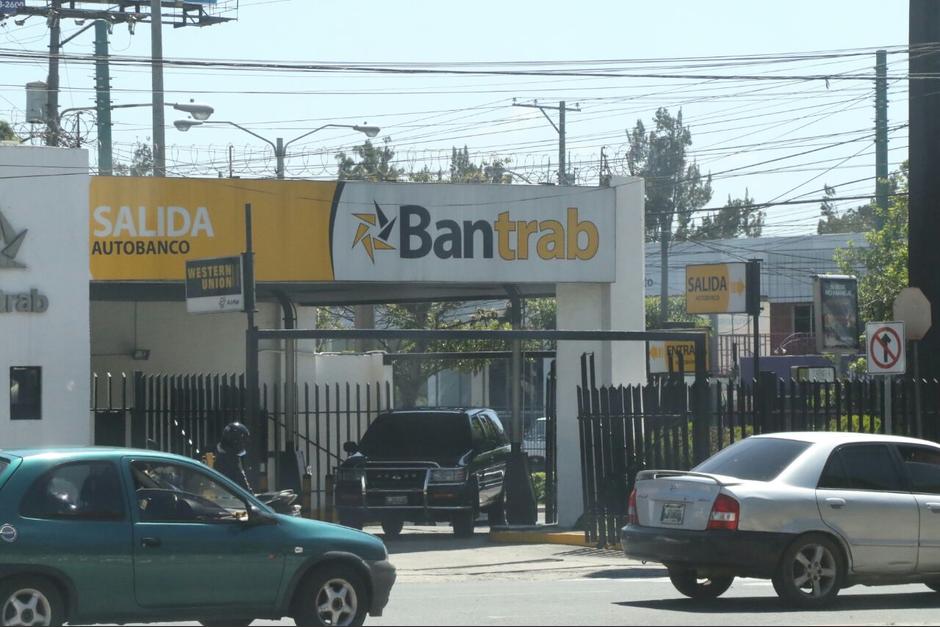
[(756, 459)]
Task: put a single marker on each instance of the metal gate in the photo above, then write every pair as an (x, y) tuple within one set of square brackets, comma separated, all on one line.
[(185, 415)]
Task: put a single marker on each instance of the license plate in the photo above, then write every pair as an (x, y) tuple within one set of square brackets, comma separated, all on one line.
[(396, 500), (672, 513)]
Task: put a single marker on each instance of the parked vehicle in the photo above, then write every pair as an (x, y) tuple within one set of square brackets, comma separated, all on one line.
[(424, 465), (117, 535), (813, 512), (534, 442)]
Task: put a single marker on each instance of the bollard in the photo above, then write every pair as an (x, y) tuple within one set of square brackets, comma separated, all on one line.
[(306, 495)]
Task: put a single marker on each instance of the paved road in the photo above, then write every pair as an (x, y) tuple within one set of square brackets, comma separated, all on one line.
[(445, 581)]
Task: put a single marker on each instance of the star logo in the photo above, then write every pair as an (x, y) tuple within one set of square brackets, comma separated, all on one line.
[(364, 236), (10, 242)]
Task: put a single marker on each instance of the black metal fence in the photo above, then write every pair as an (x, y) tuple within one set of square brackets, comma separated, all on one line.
[(185, 414), (625, 429)]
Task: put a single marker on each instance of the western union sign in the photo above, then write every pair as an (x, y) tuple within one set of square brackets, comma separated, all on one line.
[(214, 285), (716, 288)]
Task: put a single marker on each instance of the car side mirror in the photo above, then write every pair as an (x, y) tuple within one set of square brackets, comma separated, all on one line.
[(258, 517), (351, 448)]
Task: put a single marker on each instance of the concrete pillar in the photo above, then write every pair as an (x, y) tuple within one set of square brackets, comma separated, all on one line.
[(614, 306)]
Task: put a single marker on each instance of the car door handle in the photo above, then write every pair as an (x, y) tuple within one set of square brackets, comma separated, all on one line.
[(835, 502), (150, 542), (934, 507)]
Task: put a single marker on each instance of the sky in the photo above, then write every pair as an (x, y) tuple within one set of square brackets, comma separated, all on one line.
[(778, 140)]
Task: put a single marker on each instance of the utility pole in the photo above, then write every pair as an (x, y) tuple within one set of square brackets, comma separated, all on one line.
[(924, 181), (560, 128), (103, 98), (156, 46), (52, 82), (881, 131)]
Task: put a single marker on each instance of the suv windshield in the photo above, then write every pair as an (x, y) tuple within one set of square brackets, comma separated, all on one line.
[(423, 436), (757, 459)]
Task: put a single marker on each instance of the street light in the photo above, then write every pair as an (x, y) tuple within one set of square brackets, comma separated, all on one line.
[(198, 110), (279, 146)]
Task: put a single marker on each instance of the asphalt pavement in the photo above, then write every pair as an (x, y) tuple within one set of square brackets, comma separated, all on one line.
[(443, 580)]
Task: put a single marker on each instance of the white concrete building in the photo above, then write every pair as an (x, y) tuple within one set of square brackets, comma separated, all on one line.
[(44, 309)]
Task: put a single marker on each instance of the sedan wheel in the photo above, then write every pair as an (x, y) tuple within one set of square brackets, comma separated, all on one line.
[(333, 596), (691, 585), (30, 601), (810, 573)]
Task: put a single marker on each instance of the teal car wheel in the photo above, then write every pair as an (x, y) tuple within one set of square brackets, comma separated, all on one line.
[(333, 595), (30, 601)]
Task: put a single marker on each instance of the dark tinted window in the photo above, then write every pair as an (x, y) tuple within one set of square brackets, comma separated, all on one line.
[(923, 466), (871, 467), (417, 436), (500, 433), (757, 459), (25, 393), (833, 476), (479, 433), (82, 491)]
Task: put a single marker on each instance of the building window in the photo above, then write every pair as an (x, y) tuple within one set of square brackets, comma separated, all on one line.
[(26, 393), (803, 319)]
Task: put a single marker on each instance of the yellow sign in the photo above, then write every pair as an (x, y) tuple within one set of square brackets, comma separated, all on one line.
[(672, 357), (145, 229), (716, 288)]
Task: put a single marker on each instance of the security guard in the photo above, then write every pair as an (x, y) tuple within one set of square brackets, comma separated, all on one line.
[(231, 448)]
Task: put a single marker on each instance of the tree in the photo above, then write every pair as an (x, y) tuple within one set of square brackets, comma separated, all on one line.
[(738, 218), (857, 220), (463, 170), (6, 132), (374, 164), (674, 187), (882, 266), (676, 313), (141, 162)]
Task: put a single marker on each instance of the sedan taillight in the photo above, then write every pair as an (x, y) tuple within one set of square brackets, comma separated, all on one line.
[(725, 513), (632, 518)]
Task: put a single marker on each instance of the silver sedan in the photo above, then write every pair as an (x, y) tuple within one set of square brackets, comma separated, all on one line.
[(813, 512)]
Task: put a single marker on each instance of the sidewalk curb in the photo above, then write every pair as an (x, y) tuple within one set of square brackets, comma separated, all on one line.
[(538, 536)]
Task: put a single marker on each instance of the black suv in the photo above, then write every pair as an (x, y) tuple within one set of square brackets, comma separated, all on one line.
[(422, 465)]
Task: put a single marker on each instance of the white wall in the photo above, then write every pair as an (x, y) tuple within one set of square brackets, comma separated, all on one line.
[(45, 190), (615, 306), (179, 342)]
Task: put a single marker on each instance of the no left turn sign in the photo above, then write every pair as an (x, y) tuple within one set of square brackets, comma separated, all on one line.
[(886, 348)]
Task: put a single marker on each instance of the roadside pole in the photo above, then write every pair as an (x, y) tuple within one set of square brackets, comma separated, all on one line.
[(753, 308), (251, 349), (913, 308)]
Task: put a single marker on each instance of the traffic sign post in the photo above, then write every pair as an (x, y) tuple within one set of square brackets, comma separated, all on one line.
[(886, 354)]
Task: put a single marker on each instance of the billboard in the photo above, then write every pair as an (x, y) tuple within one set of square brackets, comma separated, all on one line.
[(145, 229), (836, 311), (716, 288)]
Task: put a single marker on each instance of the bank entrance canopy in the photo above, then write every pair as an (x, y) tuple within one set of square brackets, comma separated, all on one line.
[(352, 242)]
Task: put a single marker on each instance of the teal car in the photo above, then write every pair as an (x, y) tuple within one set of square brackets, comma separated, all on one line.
[(117, 535)]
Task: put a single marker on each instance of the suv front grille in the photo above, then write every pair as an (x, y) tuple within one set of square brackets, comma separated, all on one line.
[(395, 479)]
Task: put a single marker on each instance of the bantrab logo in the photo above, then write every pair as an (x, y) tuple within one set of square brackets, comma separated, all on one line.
[(10, 242), (504, 238), (364, 234)]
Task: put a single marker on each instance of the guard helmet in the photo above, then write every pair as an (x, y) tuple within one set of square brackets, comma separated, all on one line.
[(235, 438)]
